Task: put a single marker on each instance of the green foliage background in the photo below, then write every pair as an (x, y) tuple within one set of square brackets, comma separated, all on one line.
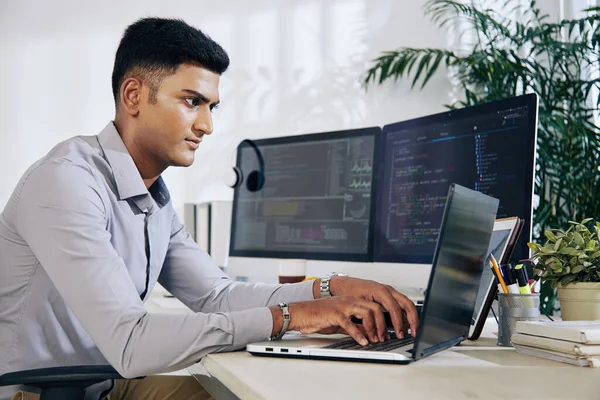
[(509, 57)]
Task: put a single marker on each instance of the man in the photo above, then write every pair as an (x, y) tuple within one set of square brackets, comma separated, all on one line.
[(90, 229)]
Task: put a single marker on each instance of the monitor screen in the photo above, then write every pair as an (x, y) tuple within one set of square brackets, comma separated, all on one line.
[(489, 148), (316, 198)]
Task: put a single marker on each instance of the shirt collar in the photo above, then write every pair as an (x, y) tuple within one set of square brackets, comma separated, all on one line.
[(127, 177)]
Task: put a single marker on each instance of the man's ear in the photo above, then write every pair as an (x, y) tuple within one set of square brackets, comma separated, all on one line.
[(131, 95)]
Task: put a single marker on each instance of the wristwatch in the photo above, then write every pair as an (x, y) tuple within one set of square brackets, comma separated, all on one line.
[(325, 290), (286, 321)]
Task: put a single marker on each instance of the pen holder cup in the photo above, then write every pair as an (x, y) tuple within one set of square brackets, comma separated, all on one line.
[(513, 308)]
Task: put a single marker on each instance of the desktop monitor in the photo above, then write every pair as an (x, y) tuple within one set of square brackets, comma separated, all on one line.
[(316, 199), (489, 148)]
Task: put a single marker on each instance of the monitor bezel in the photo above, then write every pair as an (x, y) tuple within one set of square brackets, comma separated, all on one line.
[(529, 100), (373, 131)]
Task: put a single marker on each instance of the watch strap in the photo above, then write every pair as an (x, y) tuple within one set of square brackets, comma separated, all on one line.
[(286, 321), (325, 289)]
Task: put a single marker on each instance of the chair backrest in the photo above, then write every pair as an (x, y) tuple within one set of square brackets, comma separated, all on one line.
[(64, 383)]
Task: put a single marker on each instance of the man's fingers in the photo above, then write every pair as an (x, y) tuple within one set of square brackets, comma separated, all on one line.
[(398, 322), (361, 329), (354, 332), (409, 308), (363, 311), (389, 302), (406, 305), (380, 326), (373, 327)]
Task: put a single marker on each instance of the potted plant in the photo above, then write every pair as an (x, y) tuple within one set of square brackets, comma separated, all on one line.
[(570, 261)]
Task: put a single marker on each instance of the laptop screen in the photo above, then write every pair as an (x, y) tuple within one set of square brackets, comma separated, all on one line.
[(458, 260)]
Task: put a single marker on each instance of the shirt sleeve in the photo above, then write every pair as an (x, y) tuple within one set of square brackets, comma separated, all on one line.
[(63, 219), (193, 277)]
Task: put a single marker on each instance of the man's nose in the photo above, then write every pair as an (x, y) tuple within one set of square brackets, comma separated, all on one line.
[(203, 124)]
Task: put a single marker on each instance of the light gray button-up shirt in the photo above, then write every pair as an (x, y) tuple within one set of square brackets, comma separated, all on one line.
[(83, 242)]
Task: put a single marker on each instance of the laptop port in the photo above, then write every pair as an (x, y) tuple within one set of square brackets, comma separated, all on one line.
[(269, 349), (284, 350)]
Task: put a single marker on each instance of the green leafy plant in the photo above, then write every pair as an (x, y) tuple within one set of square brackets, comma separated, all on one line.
[(509, 56), (569, 256)]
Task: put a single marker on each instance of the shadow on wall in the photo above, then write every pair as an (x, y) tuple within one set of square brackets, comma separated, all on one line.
[(296, 68), (308, 81)]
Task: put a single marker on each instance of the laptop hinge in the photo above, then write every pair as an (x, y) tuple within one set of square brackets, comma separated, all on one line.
[(439, 347)]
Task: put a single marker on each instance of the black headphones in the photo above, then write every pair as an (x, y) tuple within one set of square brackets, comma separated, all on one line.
[(256, 178)]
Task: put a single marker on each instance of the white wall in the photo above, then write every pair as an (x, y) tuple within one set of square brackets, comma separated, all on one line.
[(296, 68)]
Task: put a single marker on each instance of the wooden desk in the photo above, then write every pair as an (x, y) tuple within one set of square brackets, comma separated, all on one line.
[(473, 370)]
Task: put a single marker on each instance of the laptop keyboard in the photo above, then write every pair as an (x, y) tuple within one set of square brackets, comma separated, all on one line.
[(351, 344)]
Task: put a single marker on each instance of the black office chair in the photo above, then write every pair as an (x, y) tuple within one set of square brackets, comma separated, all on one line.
[(61, 383)]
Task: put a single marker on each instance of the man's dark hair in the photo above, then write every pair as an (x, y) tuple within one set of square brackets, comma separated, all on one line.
[(153, 48)]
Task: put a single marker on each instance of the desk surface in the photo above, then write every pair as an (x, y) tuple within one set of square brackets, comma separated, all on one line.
[(474, 370)]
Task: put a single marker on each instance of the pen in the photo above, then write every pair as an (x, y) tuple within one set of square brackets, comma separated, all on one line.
[(510, 278), (522, 279), (496, 270)]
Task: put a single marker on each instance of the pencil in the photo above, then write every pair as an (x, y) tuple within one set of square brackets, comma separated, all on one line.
[(496, 269)]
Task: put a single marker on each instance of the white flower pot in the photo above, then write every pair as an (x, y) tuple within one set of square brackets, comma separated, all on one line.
[(580, 301)]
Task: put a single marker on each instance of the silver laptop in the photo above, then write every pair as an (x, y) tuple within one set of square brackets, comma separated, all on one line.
[(445, 318)]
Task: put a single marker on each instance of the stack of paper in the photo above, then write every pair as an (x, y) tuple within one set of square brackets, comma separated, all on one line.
[(572, 342)]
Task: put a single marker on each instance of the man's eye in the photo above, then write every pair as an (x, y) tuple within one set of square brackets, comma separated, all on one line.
[(193, 102)]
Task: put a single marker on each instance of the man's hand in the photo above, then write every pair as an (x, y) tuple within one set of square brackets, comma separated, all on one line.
[(402, 310), (333, 315)]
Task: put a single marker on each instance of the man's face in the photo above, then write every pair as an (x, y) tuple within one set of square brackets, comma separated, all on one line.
[(172, 128)]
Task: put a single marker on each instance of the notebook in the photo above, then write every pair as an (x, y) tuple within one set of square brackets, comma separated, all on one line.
[(562, 346), (445, 319), (581, 361), (586, 332)]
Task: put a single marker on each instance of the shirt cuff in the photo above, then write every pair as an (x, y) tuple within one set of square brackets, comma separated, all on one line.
[(249, 326), (302, 291), (309, 289)]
